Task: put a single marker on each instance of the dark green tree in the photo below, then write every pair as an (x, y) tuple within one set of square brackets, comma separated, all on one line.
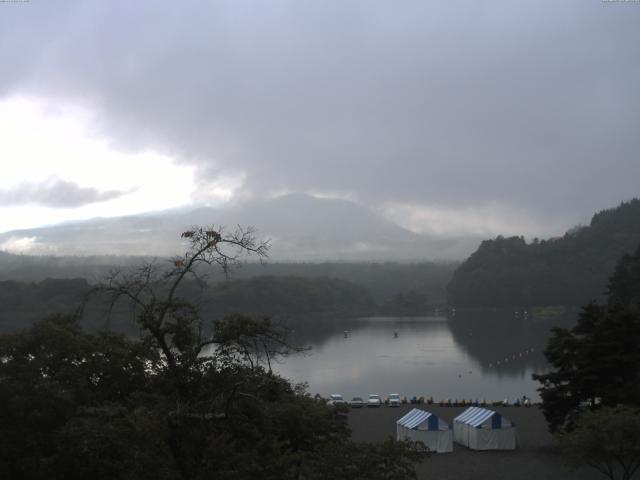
[(596, 363), (608, 440), (51, 374)]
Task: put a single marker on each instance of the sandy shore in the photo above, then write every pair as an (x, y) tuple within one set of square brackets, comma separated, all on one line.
[(535, 458)]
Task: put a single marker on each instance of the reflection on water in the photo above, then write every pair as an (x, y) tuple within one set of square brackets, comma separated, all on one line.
[(469, 356)]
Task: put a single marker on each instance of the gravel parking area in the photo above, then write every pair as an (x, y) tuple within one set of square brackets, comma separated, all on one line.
[(535, 458)]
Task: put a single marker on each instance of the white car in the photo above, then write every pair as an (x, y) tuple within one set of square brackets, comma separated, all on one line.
[(335, 399), (374, 401), (394, 400)]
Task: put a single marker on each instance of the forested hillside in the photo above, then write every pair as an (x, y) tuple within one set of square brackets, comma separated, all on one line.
[(290, 296), (385, 280), (23, 303), (570, 270)]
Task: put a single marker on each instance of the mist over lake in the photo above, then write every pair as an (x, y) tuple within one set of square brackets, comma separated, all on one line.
[(431, 356)]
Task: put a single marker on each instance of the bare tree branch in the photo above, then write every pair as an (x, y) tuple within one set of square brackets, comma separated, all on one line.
[(151, 291)]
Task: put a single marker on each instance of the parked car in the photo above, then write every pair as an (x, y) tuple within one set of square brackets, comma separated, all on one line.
[(394, 400), (356, 402), (374, 401), (335, 399)]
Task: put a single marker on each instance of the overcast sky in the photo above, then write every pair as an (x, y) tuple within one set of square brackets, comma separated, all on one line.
[(446, 116)]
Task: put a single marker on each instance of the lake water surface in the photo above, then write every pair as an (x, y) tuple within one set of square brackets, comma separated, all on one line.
[(470, 356)]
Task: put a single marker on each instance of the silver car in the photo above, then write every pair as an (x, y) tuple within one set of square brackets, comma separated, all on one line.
[(394, 400), (374, 400)]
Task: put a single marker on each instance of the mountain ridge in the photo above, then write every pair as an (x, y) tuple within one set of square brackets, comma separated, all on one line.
[(301, 227)]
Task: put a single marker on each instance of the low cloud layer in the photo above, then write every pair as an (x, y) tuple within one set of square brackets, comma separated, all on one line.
[(531, 107), (55, 193)]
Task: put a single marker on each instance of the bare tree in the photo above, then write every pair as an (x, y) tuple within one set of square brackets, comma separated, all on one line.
[(152, 290), (253, 340)]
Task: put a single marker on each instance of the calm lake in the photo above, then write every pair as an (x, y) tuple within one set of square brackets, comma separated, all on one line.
[(479, 356)]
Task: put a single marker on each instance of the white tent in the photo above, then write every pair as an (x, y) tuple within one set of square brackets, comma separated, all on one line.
[(482, 429), (418, 425)]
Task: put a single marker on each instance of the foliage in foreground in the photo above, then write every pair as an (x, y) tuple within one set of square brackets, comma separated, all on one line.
[(608, 440), (77, 405), (184, 401)]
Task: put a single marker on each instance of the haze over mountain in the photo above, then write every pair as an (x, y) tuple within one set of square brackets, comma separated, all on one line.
[(301, 227), (475, 117)]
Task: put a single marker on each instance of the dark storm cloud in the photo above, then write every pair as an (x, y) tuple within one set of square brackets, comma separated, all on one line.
[(55, 193), (531, 106)]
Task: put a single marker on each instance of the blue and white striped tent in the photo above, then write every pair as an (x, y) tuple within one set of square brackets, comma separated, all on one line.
[(482, 429), (419, 425)]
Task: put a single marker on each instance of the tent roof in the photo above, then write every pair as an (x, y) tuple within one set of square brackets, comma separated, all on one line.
[(414, 418), (474, 416)]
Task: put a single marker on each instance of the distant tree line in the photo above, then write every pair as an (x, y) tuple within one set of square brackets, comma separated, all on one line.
[(297, 300), (22, 303), (384, 280), (406, 304), (290, 295), (35, 268), (570, 270)]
